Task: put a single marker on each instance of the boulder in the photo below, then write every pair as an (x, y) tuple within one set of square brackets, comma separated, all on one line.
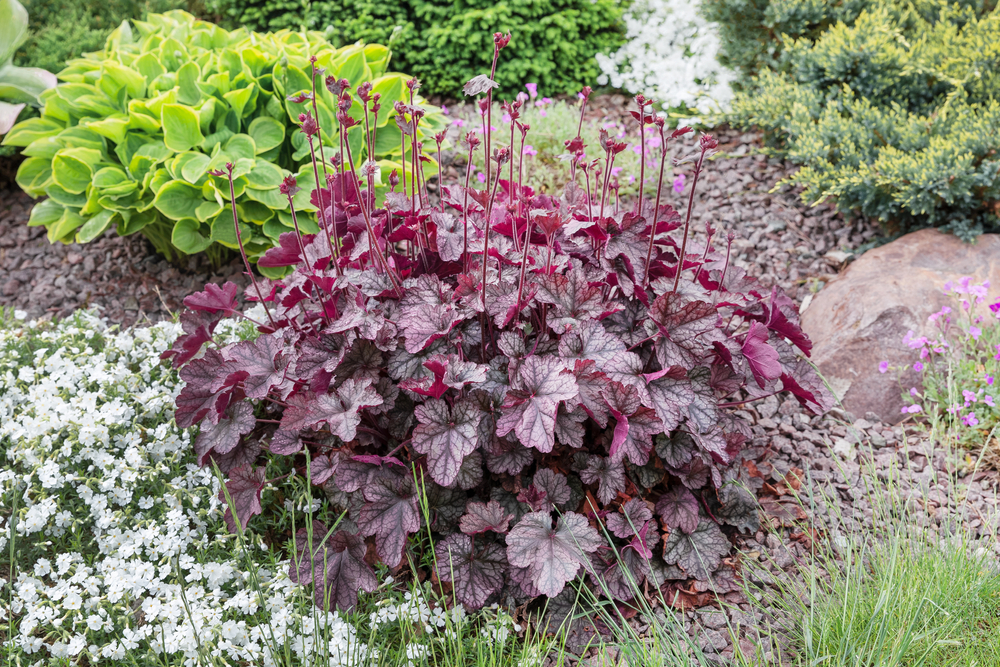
[(860, 318)]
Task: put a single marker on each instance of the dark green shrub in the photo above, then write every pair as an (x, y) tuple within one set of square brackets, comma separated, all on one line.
[(66, 29), (895, 116), (447, 42)]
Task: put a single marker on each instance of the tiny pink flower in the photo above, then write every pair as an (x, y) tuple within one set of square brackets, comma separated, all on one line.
[(975, 332), (505, 118), (918, 367), (913, 409), (532, 89), (970, 419), (444, 110), (481, 177), (914, 392), (679, 185), (883, 367), (988, 400), (530, 150), (458, 122), (989, 380)]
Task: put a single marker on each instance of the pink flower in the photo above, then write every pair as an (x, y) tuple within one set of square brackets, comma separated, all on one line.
[(975, 332), (522, 97), (481, 177), (918, 367), (679, 185), (543, 113), (914, 392), (615, 171), (914, 341), (505, 118), (530, 150), (997, 355), (988, 400), (532, 89), (970, 419), (913, 409), (444, 110), (969, 397), (989, 380), (883, 367), (458, 122)]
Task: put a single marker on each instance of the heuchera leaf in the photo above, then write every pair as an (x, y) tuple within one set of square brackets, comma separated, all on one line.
[(390, 514), (336, 566), (679, 509), (202, 398), (215, 299), (531, 404), (225, 435), (339, 409), (446, 435), (244, 486), (698, 552), (554, 486), (634, 515), (476, 575), (262, 361), (426, 313), (608, 474), (553, 555), (635, 425), (762, 358), (575, 300), (481, 517)]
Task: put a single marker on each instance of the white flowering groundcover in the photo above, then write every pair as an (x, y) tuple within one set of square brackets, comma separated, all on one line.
[(670, 54), (114, 548)]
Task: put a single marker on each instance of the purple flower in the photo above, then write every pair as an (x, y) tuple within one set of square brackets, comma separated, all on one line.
[(883, 367), (458, 122), (975, 332), (913, 409), (918, 367), (989, 380), (481, 177), (914, 392), (444, 110), (988, 400), (679, 188), (969, 397), (505, 118), (970, 419), (996, 357), (532, 89), (530, 150)]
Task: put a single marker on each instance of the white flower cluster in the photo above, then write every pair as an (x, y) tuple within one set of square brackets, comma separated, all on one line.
[(670, 54), (120, 548)]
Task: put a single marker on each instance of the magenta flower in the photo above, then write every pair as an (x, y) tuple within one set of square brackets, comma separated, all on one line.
[(918, 367), (530, 150), (912, 409), (970, 419), (989, 380), (679, 186), (975, 332), (914, 392), (532, 89), (969, 397), (458, 122), (505, 118), (988, 400), (883, 367), (444, 110), (481, 177)]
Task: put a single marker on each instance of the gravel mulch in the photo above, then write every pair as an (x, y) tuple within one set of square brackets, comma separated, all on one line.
[(121, 276)]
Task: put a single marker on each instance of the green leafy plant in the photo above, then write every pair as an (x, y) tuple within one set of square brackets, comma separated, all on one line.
[(133, 135), (19, 86), (444, 40), (894, 117)]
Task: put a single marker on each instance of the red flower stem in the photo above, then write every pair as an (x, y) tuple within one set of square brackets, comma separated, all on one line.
[(725, 267), (704, 256), (486, 239), (243, 253), (488, 129), (440, 180), (328, 224), (524, 264), (520, 165), (371, 232), (510, 184), (465, 213), (656, 208), (642, 163), (687, 221), (322, 156)]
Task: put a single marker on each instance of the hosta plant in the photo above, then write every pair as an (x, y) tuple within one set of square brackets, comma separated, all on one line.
[(133, 136), (552, 373)]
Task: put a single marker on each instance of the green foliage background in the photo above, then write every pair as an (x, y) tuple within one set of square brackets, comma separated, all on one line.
[(892, 108), (446, 42)]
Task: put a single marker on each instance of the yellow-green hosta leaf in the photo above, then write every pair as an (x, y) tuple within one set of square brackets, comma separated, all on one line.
[(224, 232), (131, 80), (351, 65), (112, 127), (187, 82), (63, 228), (207, 211), (241, 146), (177, 200), (73, 168), (95, 226), (267, 133), (189, 236), (181, 127), (240, 99), (33, 175), (265, 175), (149, 66), (31, 130), (271, 198), (45, 213), (193, 166)]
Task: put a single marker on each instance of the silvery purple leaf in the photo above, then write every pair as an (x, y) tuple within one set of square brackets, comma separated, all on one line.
[(679, 509), (390, 514), (634, 515), (224, 436), (476, 575), (553, 554), (478, 85), (426, 312), (481, 517), (531, 404), (698, 552), (446, 435), (335, 564), (607, 474)]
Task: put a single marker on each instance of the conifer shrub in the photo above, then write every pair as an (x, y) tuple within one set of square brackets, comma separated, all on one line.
[(553, 373), (894, 116), (442, 42)]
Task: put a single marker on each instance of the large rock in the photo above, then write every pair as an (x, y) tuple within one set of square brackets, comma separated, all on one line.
[(860, 318)]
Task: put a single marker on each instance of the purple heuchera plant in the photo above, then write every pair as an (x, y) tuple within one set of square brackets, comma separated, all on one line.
[(553, 371)]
